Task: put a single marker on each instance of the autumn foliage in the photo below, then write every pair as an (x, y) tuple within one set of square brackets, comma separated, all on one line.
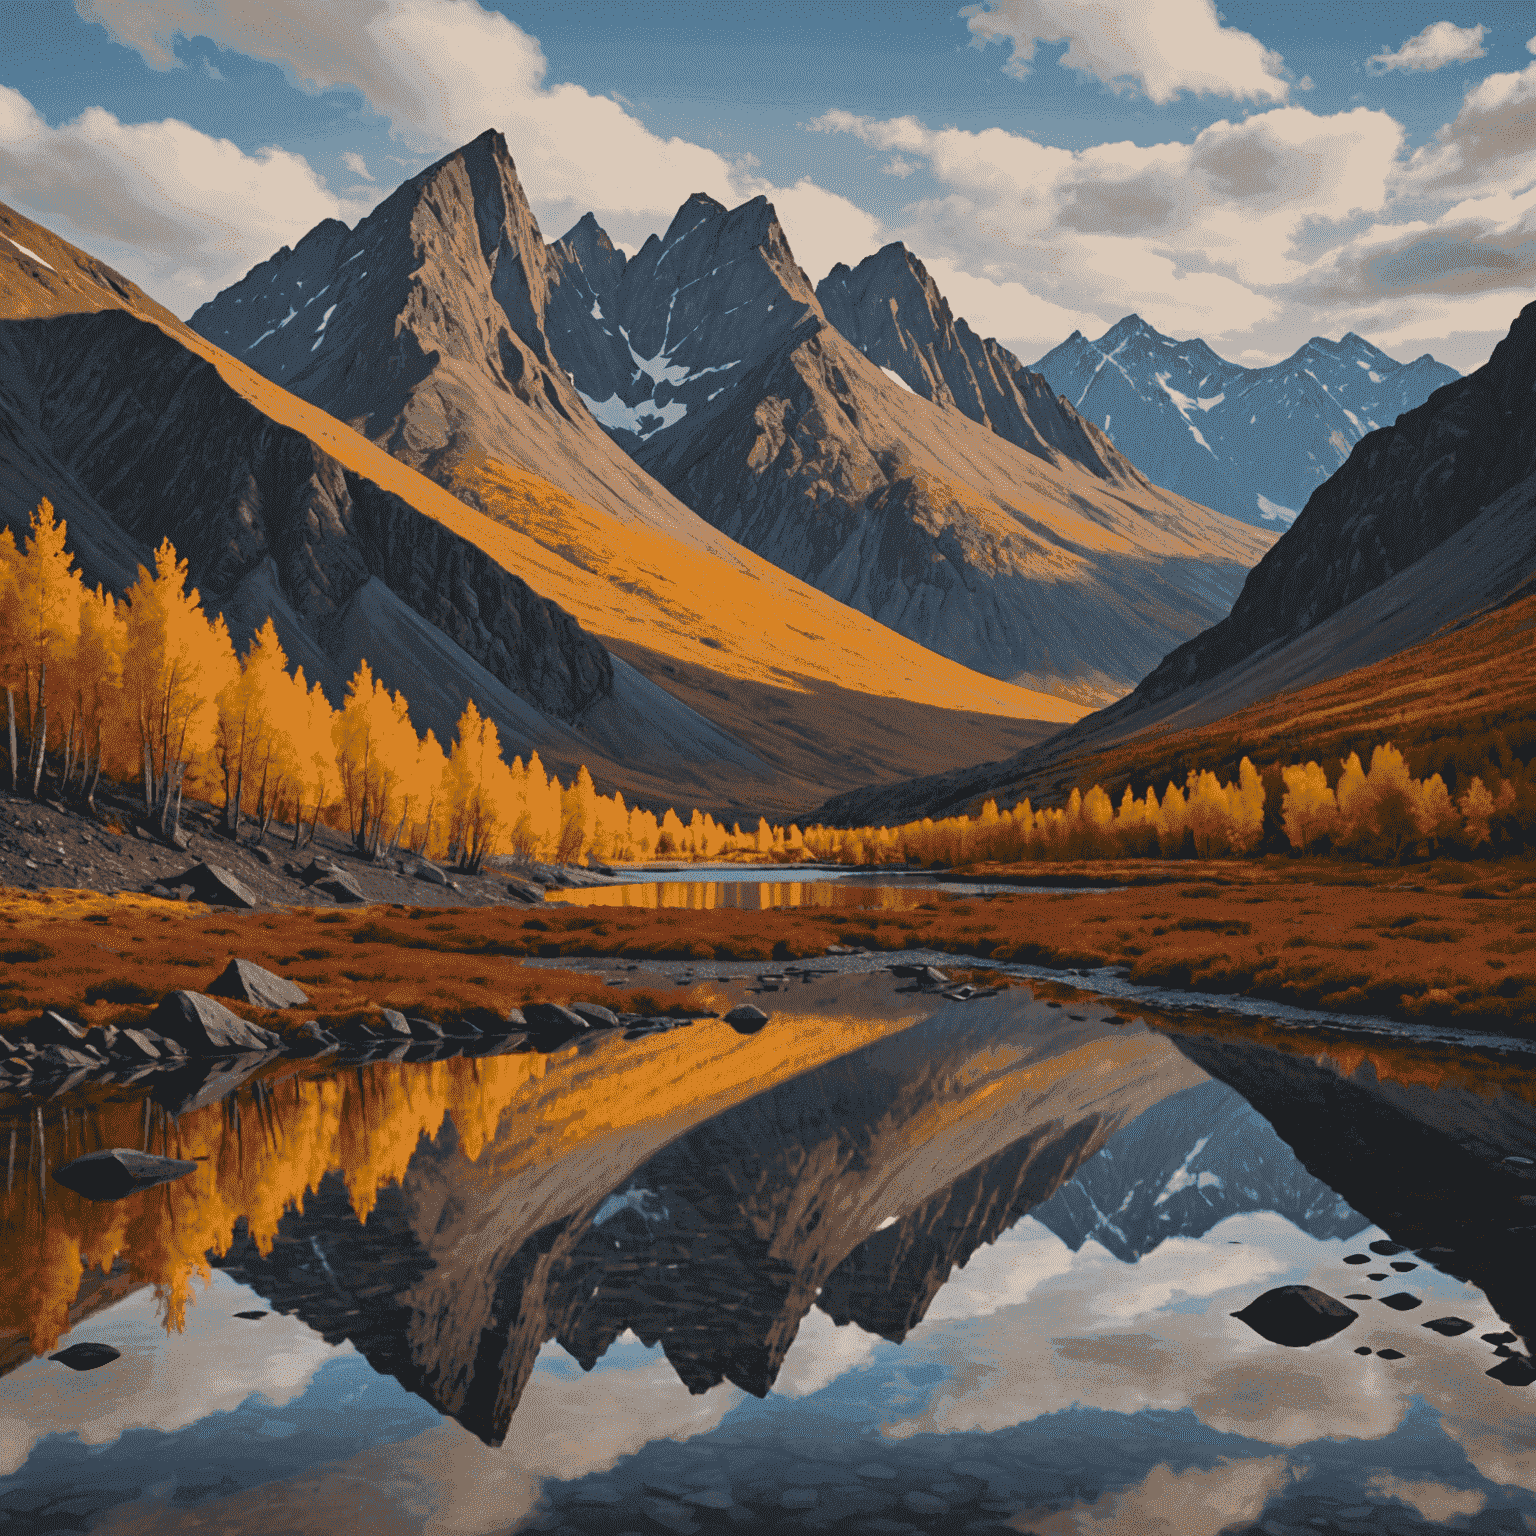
[(150, 688)]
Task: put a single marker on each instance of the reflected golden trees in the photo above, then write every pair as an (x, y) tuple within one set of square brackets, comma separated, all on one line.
[(261, 1152)]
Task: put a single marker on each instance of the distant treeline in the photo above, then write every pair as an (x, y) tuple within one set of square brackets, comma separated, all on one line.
[(150, 688), (1377, 813)]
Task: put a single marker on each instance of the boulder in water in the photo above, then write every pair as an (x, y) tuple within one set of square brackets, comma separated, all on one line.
[(1296, 1316), (86, 1357), (119, 1171), (746, 1019), (208, 1028)]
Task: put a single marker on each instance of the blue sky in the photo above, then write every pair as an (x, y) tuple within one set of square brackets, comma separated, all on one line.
[(1249, 175)]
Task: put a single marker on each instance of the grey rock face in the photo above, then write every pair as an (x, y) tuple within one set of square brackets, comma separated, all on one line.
[(985, 521), (254, 984), (207, 1028), (216, 885), (891, 309), (1252, 442), (1403, 492)]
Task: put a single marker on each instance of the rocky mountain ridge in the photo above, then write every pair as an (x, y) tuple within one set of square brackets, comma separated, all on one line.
[(136, 427), (698, 391), (1040, 556), (1430, 524), (1253, 442), (891, 309)]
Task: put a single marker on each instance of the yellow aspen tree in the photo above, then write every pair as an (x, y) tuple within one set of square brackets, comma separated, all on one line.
[(104, 727), (317, 761), (175, 663), (479, 790), (426, 836), (43, 627), (1308, 811)]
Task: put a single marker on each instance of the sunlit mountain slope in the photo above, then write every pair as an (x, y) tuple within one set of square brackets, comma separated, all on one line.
[(138, 428), (445, 329)]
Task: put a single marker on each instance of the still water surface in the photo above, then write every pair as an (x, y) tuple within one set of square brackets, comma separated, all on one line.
[(708, 887), (893, 1264)]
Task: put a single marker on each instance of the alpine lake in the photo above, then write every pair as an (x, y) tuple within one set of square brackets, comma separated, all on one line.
[(908, 1257)]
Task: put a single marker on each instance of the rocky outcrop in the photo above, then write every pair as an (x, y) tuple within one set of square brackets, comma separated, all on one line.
[(1252, 442), (891, 309)]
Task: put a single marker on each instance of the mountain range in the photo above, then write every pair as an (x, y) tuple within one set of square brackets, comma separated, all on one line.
[(722, 535), (736, 686), (1253, 442), (1422, 539), (698, 392)]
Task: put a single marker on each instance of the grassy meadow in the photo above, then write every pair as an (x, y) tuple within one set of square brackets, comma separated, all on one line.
[(1441, 942)]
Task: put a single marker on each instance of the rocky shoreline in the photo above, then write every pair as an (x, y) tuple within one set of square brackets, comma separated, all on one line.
[(195, 1049)]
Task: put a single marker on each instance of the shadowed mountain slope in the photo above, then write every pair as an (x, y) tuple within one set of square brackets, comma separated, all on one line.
[(711, 359), (137, 428), (1254, 442), (1382, 612)]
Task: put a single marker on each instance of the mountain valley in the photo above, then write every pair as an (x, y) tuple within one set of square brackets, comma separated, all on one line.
[(733, 414)]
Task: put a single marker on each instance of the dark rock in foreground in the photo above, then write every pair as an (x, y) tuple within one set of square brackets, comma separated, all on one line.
[(118, 1172), (1296, 1315), (86, 1357), (1517, 1371), (215, 885), (250, 983), (1450, 1327), (208, 1028), (745, 1019)]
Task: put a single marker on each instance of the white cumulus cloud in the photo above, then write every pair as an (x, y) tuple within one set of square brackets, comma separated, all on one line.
[(1165, 47), (1439, 44), (181, 213), (443, 71)]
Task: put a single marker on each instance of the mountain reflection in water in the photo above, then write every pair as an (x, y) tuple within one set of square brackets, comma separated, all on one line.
[(968, 1271)]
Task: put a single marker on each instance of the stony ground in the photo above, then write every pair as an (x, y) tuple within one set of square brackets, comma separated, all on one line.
[(46, 845)]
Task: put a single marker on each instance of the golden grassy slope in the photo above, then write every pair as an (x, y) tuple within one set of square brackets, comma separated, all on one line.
[(743, 619), (1439, 702)]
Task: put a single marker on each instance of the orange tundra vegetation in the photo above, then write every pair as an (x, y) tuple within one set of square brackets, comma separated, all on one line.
[(1452, 942), (152, 686)]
